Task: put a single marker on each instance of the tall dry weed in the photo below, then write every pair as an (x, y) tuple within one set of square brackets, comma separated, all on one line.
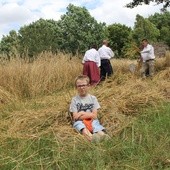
[(48, 73)]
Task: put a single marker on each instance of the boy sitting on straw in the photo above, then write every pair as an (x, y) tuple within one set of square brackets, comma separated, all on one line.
[(84, 108)]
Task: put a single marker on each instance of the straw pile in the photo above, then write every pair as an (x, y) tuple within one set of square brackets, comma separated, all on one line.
[(121, 98)]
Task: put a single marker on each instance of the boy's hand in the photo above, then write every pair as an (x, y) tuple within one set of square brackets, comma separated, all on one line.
[(77, 116), (84, 115)]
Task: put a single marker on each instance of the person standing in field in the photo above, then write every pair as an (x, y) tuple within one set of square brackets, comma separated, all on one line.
[(106, 54), (148, 58), (83, 108), (91, 63)]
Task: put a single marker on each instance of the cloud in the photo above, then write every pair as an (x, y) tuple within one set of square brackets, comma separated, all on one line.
[(17, 13), (14, 13), (117, 12), (14, 16)]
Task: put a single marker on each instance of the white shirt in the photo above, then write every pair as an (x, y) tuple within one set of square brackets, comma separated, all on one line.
[(147, 53), (105, 52), (92, 55)]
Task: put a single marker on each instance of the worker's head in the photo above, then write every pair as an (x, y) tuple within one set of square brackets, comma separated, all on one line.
[(144, 42), (105, 42)]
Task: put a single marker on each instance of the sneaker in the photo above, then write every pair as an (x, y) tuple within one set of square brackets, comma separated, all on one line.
[(104, 135), (96, 138), (100, 136)]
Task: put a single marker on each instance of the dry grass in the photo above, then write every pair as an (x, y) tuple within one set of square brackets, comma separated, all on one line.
[(47, 74), (48, 82), (167, 59)]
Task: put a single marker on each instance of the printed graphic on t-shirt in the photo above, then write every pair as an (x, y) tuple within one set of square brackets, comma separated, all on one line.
[(84, 107)]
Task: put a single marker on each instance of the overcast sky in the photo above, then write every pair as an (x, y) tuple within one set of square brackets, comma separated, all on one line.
[(17, 13)]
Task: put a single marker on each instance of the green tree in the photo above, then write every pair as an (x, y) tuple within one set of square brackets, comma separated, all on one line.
[(74, 32), (162, 22), (42, 35), (144, 29), (79, 30), (119, 35), (134, 3), (9, 44), (165, 35)]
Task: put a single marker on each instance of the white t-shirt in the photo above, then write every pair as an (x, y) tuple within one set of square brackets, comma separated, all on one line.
[(105, 52), (92, 55), (86, 104), (147, 53)]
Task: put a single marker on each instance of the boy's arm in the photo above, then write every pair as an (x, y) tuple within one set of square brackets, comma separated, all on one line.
[(77, 115), (88, 115)]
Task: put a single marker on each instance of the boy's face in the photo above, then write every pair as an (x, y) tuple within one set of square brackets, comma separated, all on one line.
[(82, 87)]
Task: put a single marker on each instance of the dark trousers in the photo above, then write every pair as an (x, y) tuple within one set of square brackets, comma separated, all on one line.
[(105, 69)]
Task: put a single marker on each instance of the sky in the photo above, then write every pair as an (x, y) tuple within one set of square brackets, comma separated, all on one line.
[(16, 13)]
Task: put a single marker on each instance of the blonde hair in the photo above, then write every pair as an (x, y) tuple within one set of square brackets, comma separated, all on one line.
[(82, 77)]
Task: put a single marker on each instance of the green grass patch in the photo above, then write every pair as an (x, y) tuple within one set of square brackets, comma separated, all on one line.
[(145, 144)]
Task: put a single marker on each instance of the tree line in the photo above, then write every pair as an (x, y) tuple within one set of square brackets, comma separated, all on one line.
[(77, 29)]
